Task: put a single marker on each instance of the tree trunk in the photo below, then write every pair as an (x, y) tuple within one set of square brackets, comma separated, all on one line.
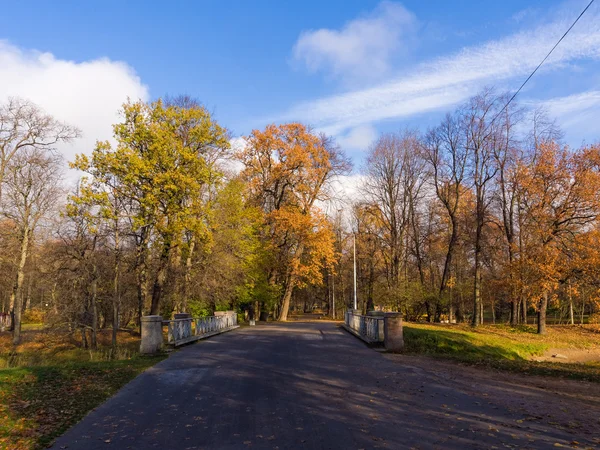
[(84, 341), (543, 306), (477, 316), (449, 254), (571, 313), (370, 302), (142, 273), (159, 281), (513, 313), (428, 310), (94, 289), (17, 293), (187, 281), (289, 287), (27, 302), (287, 296), (524, 310), (480, 311), (116, 291)]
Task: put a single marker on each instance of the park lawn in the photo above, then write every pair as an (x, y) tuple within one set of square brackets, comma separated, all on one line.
[(39, 403), (48, 383), (504, 347)]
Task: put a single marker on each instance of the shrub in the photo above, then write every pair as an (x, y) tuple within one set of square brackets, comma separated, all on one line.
[(33, 315)]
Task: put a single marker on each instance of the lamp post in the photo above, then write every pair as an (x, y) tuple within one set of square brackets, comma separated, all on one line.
[(354, 248), (333, 297)]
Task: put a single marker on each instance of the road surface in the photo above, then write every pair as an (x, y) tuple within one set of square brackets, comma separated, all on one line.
[(304, 386)]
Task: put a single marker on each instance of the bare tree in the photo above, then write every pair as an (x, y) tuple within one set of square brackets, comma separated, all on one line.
[(447, 157), (23, 125), (392, 183), (481, 137), (31, 190)]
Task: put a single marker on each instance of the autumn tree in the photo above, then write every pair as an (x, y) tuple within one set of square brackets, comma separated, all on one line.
[(31, 190), (159, 169), (288, 169), (560, 199), (230, 271)]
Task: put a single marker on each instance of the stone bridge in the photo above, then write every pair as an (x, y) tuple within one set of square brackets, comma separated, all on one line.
[(314, 386)]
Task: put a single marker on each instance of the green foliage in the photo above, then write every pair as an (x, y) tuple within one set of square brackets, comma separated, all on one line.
[(160, 176), (198, 308), (232, 267), (159, 163)]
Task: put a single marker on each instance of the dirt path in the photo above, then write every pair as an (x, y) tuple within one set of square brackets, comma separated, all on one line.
[(570, 355)]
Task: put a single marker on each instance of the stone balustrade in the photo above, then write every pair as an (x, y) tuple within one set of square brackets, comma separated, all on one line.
[(183, 329), (377, 328)]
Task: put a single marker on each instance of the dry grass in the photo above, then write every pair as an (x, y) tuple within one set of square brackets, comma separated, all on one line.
[(40, 346)]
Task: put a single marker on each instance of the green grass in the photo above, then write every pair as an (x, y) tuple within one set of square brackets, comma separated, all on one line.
[(39, 403), (49, 382), (459, 343), (503, 347)]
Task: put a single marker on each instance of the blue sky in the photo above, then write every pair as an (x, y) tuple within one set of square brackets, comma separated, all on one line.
[(352, 68)]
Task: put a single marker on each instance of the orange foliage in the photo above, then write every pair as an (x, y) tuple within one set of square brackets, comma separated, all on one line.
[(287, 168)]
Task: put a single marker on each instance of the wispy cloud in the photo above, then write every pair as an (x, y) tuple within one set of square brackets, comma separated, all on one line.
[(577, 114), (445, 81), (362, 48)]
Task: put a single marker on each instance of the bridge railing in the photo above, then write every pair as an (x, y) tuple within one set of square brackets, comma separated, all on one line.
[(182, 330), (369, 327)]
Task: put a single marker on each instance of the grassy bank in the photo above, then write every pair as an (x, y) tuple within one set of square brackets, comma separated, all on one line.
[(49, 382), (506, 348)]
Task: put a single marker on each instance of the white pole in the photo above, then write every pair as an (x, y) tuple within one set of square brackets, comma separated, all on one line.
[(354, 245), (333, 297)]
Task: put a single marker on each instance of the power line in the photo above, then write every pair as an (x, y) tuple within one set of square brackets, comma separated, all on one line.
[(540, 64)]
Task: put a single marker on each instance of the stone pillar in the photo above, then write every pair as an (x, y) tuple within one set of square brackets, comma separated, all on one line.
[(152, 337), (393, 337)]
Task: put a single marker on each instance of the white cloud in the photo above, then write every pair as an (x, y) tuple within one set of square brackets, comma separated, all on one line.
[(232, 165), (446, 81), (85, 94), (362, 48), (577, 115), (344, 191), (565, 107), (358, 138), (525, 14)]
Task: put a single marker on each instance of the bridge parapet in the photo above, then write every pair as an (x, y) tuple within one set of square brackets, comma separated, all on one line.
[(376, 328), (183, 329)]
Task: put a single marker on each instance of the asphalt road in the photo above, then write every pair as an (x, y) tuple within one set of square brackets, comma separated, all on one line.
[(300, 386)]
